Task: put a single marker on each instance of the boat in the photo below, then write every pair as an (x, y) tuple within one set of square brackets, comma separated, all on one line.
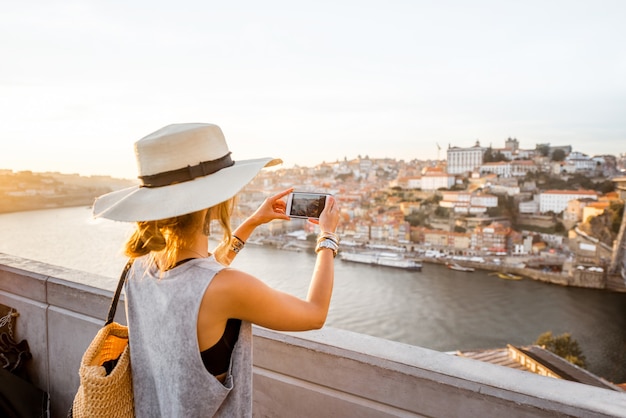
[(385, 259), (507, 276), (458, 267)]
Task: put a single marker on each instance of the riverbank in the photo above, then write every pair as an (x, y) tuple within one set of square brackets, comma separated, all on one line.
[(579, 278), (10, 204), (585, 278)]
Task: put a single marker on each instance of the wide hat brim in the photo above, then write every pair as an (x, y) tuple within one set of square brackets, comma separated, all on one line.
[(138, 203)]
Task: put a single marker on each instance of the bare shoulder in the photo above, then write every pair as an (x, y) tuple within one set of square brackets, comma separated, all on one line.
[(231, 285)]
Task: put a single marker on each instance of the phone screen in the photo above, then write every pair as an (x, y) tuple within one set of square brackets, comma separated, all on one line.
[(306, 205)]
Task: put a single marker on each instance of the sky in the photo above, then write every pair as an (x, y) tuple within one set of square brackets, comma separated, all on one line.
[(308, 82)]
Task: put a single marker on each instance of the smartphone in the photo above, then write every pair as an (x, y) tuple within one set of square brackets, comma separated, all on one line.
[(305, 205)]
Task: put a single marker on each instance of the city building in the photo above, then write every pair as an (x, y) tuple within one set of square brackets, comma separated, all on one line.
[(582, 162), (435, 178), (500, 168), (491, 238), (594, 209), (464, 160), (468, 203), (574, 210), (556, 200), (519, 168), (515, 168)]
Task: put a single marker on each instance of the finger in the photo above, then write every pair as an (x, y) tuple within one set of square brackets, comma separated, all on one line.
[(330, 203), (282, 194)]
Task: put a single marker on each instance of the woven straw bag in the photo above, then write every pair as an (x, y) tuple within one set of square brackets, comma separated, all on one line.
[(101, 394)]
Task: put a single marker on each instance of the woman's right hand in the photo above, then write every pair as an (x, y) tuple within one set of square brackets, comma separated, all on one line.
[(329, 218)]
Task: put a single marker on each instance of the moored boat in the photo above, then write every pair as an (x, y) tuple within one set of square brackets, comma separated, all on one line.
[(458, 267), (382, 259), (507, 276)]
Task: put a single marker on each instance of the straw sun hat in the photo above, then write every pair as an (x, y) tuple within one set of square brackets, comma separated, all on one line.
[(183, 168)]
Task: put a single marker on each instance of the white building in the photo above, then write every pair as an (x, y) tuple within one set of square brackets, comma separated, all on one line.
[(581, 161), (524, 248), (563, 167), (434, 178), (463, 160), (519, 168), (412, 182), (530, 206), (556, 200), (501, 168), (502, 189), (465, 202), (437, 181), (484, 200)]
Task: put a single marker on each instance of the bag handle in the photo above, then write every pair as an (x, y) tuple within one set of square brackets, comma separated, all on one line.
[(118, 292)]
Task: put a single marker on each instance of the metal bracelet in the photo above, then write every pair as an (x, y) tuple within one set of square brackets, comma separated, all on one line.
[(236, 244), (328, 235), (327, 243)]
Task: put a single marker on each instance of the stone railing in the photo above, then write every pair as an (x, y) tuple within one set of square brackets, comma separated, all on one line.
[(329, 372)]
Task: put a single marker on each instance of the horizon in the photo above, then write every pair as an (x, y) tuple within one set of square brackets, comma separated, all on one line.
[(82, 81), (274, 168)]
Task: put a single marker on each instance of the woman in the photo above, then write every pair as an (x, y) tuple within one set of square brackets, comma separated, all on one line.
[(188, 314)]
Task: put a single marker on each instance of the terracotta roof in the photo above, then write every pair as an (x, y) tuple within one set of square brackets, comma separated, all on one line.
[(499, 356), (556, 364)]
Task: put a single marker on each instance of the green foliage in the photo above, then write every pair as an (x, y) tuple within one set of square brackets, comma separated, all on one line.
[(543, 149), (559, 228), (539, 229), (434, 199), (345, 176), (416, 219), (564, 346), (493, 212), (545, 181), (442, 212), (493, 157), (605, 226), (616, 210), (558, 155)]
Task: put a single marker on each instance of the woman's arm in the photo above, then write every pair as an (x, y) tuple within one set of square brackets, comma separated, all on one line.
[(235, 294), (272, 208)]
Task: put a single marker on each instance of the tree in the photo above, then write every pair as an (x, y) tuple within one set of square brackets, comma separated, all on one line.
[(564, 346), (558, 155), (488, 156), (543, 149)]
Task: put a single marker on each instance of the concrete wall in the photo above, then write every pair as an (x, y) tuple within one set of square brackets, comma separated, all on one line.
[(328, 372)]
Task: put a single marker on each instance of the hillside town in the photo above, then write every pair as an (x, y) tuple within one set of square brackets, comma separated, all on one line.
[(548, 212), (26, 190)]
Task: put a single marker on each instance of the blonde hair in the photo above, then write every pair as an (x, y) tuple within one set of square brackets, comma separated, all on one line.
[(164, 238)]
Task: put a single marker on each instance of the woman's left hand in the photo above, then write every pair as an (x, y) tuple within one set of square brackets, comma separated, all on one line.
[(272, 208)]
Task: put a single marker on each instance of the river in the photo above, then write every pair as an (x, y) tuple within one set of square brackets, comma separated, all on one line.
[(436, 308)]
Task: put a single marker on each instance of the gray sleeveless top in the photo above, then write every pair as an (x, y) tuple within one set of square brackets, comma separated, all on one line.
[(169, 378)]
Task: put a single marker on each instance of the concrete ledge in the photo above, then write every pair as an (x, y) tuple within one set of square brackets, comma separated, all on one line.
[(347, 369), (329, 372)]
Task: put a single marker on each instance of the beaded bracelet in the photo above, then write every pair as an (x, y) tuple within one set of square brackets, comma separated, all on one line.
[(237, 244)]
